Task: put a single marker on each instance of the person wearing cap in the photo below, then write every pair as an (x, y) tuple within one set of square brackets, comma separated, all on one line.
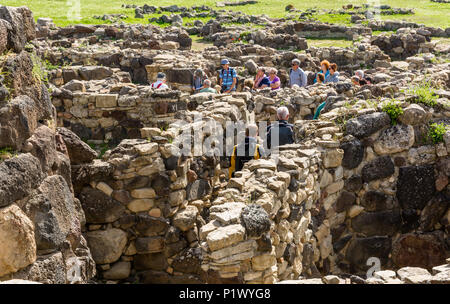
[(160, 82), (198, 80), (228, 77), (297, 75)]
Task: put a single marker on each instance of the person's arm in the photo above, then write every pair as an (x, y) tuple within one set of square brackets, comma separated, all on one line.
[(304, 79), (276, 84), (220, 78)]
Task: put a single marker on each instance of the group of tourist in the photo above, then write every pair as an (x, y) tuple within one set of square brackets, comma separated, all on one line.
[(250, 149), (265, 78)]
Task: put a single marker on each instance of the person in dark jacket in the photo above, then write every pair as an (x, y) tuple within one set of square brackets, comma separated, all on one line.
[(246, 151), (282, 128)]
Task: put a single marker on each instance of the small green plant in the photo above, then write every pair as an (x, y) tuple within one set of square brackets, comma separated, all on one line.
[(394, 110), (39, 71), (7, 152), (424, 93), (436, 132)]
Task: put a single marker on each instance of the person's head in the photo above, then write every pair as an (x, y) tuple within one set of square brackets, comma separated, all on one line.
[(161, 77), (359, 74), (283, 113), (207, 83), (251, 130), (355, 80), (295, 64), (273, 72), (320, 78), (261, 71), (333, 68), (198, 72), (225, 64), (325, 65)]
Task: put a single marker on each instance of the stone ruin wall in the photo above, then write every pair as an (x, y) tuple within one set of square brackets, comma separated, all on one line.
[(41, 221)]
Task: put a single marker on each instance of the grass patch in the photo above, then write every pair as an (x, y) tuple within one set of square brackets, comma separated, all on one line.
[(424, 93), (427, 12), (327, 42), (7, 153), (394, 110), (436, 132)]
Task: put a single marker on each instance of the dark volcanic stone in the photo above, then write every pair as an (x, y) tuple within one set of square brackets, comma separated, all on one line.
[(368, 124), (434, 211), (79, 151), (410, 219), (353, 154), (361, 249), (147, 225), (161, 185), (99, 207), (18, 176), (380, 167), (415, 186), (155, 261), (419, 250), (337, 246), (255, 220), (375, 201), (353, 183), (377, 223), (345, 201)]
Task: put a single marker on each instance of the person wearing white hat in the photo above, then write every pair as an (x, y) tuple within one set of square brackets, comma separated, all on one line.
[(160, 82)]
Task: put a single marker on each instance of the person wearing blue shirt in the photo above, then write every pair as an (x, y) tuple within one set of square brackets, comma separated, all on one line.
[(228, 77)]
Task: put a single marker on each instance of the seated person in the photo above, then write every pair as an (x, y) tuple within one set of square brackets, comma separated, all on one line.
[(334, 74), (198, 80), (261, 80), (320, 78), (282, 128), (325, 70), (207, 87), (275, 82), (362, 80), (355, 80), (245, 151), (160, 82)]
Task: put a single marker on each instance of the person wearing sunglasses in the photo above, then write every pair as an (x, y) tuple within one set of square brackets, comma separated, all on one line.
[(297, 75)]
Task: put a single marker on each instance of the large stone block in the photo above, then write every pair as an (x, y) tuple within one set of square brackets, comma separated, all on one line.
[(415, 186), (377, 223), (419, 250), (99, 207), (353, 153), (106, 100), (378, 168), (368, 124), (18, 176), (395, 139), (17, 243), (106, 245), (225, 236)]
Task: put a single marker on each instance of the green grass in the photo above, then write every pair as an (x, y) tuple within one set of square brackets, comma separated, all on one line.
[(327, 42), (427, 12)]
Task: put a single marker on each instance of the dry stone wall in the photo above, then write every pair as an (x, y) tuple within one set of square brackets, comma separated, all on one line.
[(41, 222)]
